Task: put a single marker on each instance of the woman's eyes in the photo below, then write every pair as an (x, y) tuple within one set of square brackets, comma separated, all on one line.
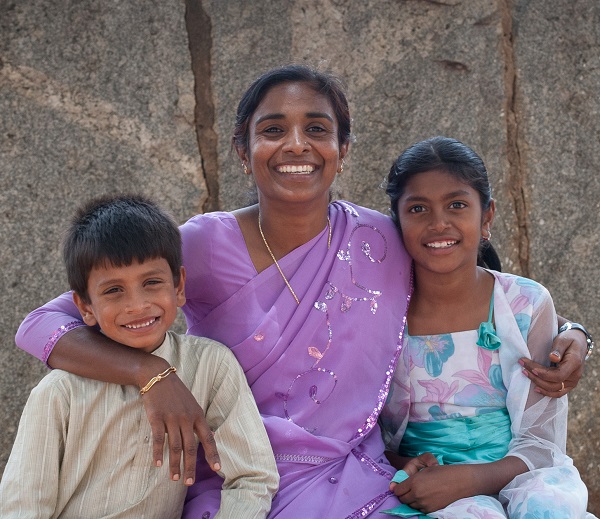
[(416, 209), (458, 205), (310, 129)]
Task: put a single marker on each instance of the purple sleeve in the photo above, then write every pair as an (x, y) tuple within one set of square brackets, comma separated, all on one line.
[(42, 328)]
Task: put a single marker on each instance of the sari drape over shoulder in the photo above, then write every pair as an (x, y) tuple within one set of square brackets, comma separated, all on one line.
[(320, 371)]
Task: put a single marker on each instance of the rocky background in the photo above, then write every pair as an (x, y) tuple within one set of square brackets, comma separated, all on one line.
[(99, 97)]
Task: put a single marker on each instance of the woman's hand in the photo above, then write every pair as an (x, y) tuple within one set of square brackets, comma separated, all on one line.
[(172, 410), (568, 352)]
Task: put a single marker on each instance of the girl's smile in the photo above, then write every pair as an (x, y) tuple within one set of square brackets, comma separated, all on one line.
[(442, 221)]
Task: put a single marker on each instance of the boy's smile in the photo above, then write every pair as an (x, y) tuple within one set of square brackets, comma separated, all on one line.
[(133, 304)]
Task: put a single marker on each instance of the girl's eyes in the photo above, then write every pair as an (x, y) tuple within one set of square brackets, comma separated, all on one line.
[(111, 290), (421, 208)]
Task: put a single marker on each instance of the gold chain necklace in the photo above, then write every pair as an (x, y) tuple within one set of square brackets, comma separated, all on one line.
[(275, 261)]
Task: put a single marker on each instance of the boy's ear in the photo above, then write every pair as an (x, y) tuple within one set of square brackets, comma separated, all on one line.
[(180, 288), (85, 309)]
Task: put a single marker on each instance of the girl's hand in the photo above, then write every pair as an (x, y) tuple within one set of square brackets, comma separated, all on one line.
[(414, 465), (435, 487), (568, 350), (172, 410)]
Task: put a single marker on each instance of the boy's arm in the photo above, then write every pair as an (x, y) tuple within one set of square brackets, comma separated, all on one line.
[(29, 486), (248, 464)]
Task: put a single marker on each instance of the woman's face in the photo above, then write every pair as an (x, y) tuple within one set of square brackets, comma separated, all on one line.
[(293, 149)]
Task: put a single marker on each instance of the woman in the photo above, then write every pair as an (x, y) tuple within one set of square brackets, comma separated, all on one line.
[(310, 296)]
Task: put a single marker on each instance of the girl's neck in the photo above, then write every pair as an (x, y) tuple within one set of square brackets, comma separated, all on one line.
[(444, 303)]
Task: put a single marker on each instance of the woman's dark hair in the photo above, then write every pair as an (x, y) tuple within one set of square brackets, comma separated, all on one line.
[(116, 231), (323, 83), (457, 159)]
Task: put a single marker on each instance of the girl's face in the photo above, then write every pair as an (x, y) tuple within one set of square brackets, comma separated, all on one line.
[(442, 222), (293, 149)]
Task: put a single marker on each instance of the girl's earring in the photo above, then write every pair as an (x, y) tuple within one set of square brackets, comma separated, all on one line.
[(245, 168), (489, 235), (341, 167)]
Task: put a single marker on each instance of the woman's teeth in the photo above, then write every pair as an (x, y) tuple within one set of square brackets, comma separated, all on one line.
[(302, 170)]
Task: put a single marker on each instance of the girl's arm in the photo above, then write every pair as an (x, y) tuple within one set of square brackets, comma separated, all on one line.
[(435, 487), (572, 348), (55, 334)]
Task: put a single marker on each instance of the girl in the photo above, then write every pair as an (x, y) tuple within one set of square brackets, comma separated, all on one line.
[(458, 391)]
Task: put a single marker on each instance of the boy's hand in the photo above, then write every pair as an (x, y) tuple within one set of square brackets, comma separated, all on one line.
[(172, 409), (569, 351)]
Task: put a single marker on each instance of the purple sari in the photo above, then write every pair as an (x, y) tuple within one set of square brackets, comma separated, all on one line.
[(320, 371)]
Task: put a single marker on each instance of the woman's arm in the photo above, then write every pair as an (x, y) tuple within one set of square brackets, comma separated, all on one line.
[(84, 351), (569, 350)]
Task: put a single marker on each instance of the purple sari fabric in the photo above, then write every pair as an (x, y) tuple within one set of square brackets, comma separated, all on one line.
[(320, 371)]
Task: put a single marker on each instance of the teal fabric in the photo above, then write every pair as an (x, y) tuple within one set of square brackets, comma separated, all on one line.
[(487, 333), (403, 510), (483, 438)]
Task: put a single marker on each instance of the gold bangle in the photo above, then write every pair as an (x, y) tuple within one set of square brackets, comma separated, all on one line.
[(157, 378)]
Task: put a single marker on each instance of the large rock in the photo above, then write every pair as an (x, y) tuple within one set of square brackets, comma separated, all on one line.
[(102, 97)]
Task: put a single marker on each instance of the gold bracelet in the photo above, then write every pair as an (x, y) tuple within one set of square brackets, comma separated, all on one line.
[(157, 378)]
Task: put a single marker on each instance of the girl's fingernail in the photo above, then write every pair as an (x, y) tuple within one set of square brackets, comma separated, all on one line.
[(521, 362), (555, 353), (525, 372)]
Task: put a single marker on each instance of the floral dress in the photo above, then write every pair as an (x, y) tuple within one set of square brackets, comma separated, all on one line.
[(471, 404)]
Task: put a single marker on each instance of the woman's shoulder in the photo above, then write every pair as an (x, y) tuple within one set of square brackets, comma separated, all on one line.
[(210, 221), (203, 230), (365, 214)]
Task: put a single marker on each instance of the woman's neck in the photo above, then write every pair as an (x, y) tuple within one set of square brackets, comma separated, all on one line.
[(284, 228)]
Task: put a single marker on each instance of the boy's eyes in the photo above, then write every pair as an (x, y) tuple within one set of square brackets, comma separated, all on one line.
[(117, 289)]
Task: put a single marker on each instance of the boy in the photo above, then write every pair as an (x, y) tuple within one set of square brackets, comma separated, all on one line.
[(83, 448)]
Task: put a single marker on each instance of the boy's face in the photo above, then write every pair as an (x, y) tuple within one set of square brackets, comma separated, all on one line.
[(134, 305)]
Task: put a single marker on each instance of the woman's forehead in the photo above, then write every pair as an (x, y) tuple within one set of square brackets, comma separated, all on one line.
[(289, 97)]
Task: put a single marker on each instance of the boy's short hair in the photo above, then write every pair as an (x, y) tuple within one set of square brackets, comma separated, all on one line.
[(116, 230)]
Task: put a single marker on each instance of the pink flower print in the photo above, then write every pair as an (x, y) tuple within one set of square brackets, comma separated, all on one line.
[(519, 303), (438, 391)]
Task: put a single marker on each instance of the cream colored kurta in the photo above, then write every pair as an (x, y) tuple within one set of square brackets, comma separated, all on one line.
[(84, 448)]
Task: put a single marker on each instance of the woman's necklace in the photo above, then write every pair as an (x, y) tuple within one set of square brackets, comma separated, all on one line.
[(275, 261)]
